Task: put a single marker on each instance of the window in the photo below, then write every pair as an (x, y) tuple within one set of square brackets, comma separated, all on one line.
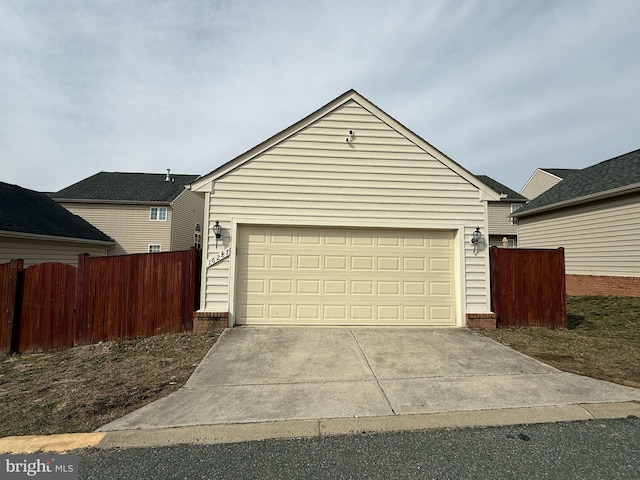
[(197, 236), (158, 214), (514, 207), (155, 248), (512, 243)]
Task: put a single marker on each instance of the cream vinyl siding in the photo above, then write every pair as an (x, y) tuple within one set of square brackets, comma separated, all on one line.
[(599, 239), (187, 210), (499, 220), (345, 276), (34, 251), (315, 177), (539, 183), (128, 225)]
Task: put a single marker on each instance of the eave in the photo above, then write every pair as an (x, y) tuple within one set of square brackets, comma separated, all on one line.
[(93, 201), (616, 192), (37, 236)]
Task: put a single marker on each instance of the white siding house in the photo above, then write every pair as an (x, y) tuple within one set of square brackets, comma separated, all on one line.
[(348, 218)]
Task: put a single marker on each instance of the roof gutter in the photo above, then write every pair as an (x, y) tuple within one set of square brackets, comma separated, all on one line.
[(38, 236), (109, 202), (616, 192)]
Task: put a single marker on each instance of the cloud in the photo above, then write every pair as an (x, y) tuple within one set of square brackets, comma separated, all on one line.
[(500, 86)]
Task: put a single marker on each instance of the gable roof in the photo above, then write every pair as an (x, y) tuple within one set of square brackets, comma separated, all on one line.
[(29, 212), (126, 187), (616, 176), (501, 189), (350, 95)]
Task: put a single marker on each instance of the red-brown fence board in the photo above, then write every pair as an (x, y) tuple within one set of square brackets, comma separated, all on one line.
[(55, 306), (139, 295), (528, 287), (46, 311), (10, 277)]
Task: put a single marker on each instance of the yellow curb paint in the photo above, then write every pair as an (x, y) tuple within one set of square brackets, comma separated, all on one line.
[(49, 443)]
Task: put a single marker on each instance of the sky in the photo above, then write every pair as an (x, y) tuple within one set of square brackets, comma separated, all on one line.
[(500, 86)]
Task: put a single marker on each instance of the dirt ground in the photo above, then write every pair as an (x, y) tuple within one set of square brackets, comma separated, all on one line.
[(602, 339), (80, 389)]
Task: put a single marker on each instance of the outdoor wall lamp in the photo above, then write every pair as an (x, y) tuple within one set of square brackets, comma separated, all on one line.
[(217, 231), (476, 236)]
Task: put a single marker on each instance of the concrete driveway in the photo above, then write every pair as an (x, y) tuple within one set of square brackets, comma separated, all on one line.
[(269, 374)]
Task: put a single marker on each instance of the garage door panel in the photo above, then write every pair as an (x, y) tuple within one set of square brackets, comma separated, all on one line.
[(439, 264), (305, 275), (388, 287), (389, 264), (281, 261), (361, 287), (361, 312), (440, 289), (308, 287), (335, 287), (309, 262), (362, 263), (416, 313)]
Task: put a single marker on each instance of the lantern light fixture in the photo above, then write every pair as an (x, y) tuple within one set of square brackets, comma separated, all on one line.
[(217, 231), (476, 236)]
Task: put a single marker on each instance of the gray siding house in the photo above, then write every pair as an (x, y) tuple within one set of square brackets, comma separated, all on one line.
[(142, 212), (503, 228), (36, 229), (594, 213)]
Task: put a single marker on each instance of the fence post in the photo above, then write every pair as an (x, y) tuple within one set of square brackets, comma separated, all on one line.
[(82, 284), (10, 315)]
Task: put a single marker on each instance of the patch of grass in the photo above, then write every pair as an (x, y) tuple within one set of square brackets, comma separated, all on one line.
[(81, 389), (602, 339)]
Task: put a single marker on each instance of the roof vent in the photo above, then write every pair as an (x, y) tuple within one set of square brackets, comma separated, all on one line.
[(168, 177)]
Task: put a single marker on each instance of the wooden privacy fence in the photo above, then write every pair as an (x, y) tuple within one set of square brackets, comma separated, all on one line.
[(53, 306), (528, 287)]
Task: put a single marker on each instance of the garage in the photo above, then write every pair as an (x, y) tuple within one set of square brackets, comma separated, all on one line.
[(344, 276), (346, 217)]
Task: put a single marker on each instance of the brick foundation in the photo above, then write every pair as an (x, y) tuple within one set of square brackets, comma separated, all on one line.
[(603, 285), (210, 321), (481, 321)]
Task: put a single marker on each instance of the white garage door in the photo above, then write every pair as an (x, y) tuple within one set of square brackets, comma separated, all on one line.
[(339, 276)]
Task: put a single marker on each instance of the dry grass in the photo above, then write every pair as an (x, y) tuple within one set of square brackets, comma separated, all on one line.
[(79, 390), (602, 339)]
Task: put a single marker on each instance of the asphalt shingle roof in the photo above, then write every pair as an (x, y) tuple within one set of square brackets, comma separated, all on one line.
[(26, 211), (605, 176), (500, 188), (132, 187), (561, 172)]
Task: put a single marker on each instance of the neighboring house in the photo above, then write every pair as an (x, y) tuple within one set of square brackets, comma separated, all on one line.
[(142, 212), (503, 229), (594, 213), (543, 179), (345, 218), (36, 229)]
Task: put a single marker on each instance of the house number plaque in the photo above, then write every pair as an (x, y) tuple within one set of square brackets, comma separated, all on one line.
[(219, 257)]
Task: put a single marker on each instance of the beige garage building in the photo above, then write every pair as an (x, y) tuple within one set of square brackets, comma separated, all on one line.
[(345, 218)]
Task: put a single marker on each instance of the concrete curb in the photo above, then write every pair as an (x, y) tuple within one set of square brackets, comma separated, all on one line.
[(65, 442), (245, 432)]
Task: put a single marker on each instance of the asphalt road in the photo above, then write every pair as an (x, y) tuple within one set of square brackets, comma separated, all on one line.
[(603, 449)]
